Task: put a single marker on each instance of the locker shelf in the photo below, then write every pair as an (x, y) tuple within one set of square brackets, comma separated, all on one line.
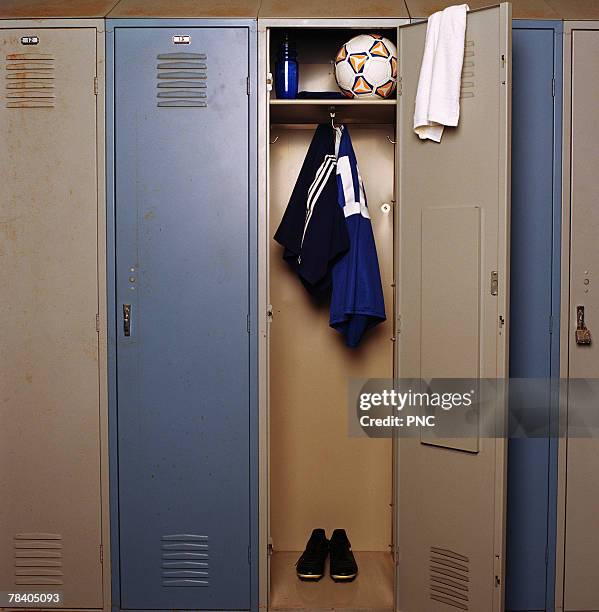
[(346, 111)]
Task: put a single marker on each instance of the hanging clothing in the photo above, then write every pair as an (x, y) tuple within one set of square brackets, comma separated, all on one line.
[(438, 95), (313, 229), (357, 302)]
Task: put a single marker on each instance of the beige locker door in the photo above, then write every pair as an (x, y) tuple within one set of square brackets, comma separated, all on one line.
[(50, 530), (581, 588), (453, 234)]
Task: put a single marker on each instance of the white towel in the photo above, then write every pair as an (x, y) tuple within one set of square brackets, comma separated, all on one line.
[(438, 96)]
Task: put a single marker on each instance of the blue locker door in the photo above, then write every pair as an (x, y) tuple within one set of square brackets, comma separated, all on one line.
[(531, 292), (182, 222)]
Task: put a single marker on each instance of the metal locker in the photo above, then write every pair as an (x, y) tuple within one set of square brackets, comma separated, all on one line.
[(534, 310), (53, 411), (182, 227), (577, 587)]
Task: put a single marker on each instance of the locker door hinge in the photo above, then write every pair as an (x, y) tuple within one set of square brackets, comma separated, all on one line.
[(269, 314), (249, 555), (95, 86), (399, 86), (248, 86), (553, 87), (249, 327), (269, 81), (98, 323), (101, 554), (551, 324)]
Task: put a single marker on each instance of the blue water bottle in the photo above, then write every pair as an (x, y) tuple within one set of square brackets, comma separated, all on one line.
[(286, 70)]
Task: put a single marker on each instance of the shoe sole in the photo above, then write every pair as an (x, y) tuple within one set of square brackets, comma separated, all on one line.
[(310, 577), (338, 578)]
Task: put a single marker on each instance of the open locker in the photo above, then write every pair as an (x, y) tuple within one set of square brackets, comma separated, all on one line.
[(405, 520), (54, 534), (311, 456)]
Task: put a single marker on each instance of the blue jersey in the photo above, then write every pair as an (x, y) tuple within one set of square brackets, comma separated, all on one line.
[(357, 302)]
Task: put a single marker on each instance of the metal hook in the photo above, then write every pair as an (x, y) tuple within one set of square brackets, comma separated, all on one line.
[(391, 141), (275, 140), (332, 115)]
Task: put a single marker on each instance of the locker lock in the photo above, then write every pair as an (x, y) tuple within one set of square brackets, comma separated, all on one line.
[(583, 334)]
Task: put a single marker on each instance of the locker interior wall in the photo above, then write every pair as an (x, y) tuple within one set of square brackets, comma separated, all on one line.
[(534, 311), (578, 588), (320, 477), (54, 434)]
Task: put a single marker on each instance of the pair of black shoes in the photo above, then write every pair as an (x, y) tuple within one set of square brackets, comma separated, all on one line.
[(343, 566)]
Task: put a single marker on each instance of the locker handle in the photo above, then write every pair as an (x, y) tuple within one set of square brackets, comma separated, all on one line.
[(127, 319), (583, 334)]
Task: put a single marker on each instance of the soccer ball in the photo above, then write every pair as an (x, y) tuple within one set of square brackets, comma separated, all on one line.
[(366, 67)]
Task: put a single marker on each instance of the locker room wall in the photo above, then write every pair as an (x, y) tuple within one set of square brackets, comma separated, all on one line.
[(338, 9), (521, 9), (36, 9), (575, 9), (319, 476), (185, 9)]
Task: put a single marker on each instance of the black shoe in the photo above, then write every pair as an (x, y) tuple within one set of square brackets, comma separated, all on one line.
[(310, 566), (343, 564)]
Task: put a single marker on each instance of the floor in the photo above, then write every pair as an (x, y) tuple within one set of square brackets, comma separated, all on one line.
[(371, 590)]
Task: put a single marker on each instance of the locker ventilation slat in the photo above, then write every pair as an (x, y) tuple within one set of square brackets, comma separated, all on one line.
[(29, 80), (185, 560), (184, 76), (467, 84), (38, 559), (449, 578)]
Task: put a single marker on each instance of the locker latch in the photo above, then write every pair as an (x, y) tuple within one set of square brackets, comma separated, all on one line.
[(127, 319), (494, 282), (583, 335)]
